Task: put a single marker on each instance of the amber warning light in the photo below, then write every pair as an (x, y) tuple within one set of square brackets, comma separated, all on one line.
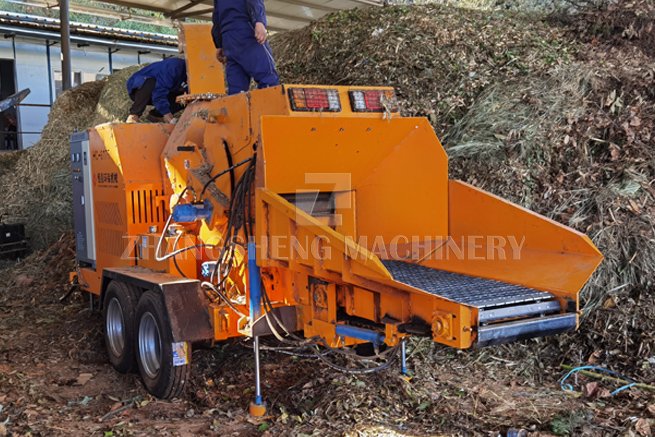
[(314, 99)]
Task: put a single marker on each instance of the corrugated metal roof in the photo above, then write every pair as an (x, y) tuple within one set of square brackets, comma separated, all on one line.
[(281, 14), (48, 28), (94, 30)]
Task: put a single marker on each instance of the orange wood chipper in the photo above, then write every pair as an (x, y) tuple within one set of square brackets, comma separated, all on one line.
[(316, 214)]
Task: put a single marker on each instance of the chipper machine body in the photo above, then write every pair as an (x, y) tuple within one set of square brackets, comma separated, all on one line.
[(317, 214)]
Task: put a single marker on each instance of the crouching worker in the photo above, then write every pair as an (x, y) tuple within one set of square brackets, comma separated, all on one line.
[(239, 33), (158, 84)]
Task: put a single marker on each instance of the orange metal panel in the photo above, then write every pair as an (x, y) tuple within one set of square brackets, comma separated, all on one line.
[(397, 195), (186, 262), (205, 74), (509, 243), (398, 301), (361, 303), (269, 203), (127, 190)]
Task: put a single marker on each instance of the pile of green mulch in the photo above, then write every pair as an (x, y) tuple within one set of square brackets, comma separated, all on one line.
[(555, 113)]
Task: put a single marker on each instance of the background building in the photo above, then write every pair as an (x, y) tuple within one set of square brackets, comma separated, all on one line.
[(30, 58)]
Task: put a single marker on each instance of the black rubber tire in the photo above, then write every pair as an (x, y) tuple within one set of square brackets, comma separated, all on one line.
[(170, 380), (128, 298)]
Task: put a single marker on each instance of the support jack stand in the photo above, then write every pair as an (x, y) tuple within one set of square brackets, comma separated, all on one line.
[(258, 406), (403, 361)]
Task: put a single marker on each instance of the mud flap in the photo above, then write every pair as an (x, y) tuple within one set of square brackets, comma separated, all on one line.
[(186, 304)]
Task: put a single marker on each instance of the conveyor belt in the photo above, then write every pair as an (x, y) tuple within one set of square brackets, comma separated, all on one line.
[(468, 290)]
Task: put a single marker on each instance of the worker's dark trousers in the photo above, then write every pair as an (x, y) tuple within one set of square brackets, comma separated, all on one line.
[(248, 60), (142, 97)]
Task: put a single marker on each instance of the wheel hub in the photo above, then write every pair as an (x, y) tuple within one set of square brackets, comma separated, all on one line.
[(149, 345), (115, 327)]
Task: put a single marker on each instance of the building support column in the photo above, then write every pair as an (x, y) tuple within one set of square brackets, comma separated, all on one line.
[(49, 44), (66, 69), (110, 53)]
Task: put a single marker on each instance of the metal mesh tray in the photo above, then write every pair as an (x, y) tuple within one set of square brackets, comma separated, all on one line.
[(469, 290)]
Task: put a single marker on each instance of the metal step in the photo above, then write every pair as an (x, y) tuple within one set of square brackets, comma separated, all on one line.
[(518, 311), (468, 290)]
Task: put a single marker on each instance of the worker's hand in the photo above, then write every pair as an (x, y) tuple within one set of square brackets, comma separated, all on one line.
[(168, 117), (220, 56), (260, 32)]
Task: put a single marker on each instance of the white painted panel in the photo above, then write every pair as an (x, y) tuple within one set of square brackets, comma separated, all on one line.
[(31, 72)]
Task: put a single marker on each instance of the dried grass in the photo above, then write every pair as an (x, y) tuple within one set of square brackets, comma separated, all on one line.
[(36, 182), (114, 102), (439, 58), (560, 145), (518, 115), (37, 186)]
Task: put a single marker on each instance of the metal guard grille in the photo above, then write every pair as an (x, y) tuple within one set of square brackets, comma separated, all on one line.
[(468, 290)]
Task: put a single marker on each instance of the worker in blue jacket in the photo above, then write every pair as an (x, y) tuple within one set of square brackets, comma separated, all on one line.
[(239, 34), (158, 84)]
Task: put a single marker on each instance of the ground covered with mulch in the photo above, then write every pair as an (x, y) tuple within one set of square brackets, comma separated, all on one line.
[(553, 112), (55, 380)]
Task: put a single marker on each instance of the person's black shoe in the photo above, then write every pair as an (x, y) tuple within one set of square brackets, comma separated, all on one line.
[(154, 119)]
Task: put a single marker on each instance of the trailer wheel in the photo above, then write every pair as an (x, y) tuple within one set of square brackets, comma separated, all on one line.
[(119, 312), (164, 373)]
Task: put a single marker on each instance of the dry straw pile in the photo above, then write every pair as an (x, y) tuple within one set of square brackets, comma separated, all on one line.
[(114, 102), (37, 186)]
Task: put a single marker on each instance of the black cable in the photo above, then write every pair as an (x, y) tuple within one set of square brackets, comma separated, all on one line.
[(322, 355), (313, 345), (230, 163), (168, 220), (227, 170), (225, 299), (248, 218), (177, 267), (235, 221), (379, 368), (268, 308), (293, 351)]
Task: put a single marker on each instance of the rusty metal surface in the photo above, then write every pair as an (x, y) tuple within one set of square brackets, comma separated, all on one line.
[(190, 98), (187, 311), (144, 275)]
